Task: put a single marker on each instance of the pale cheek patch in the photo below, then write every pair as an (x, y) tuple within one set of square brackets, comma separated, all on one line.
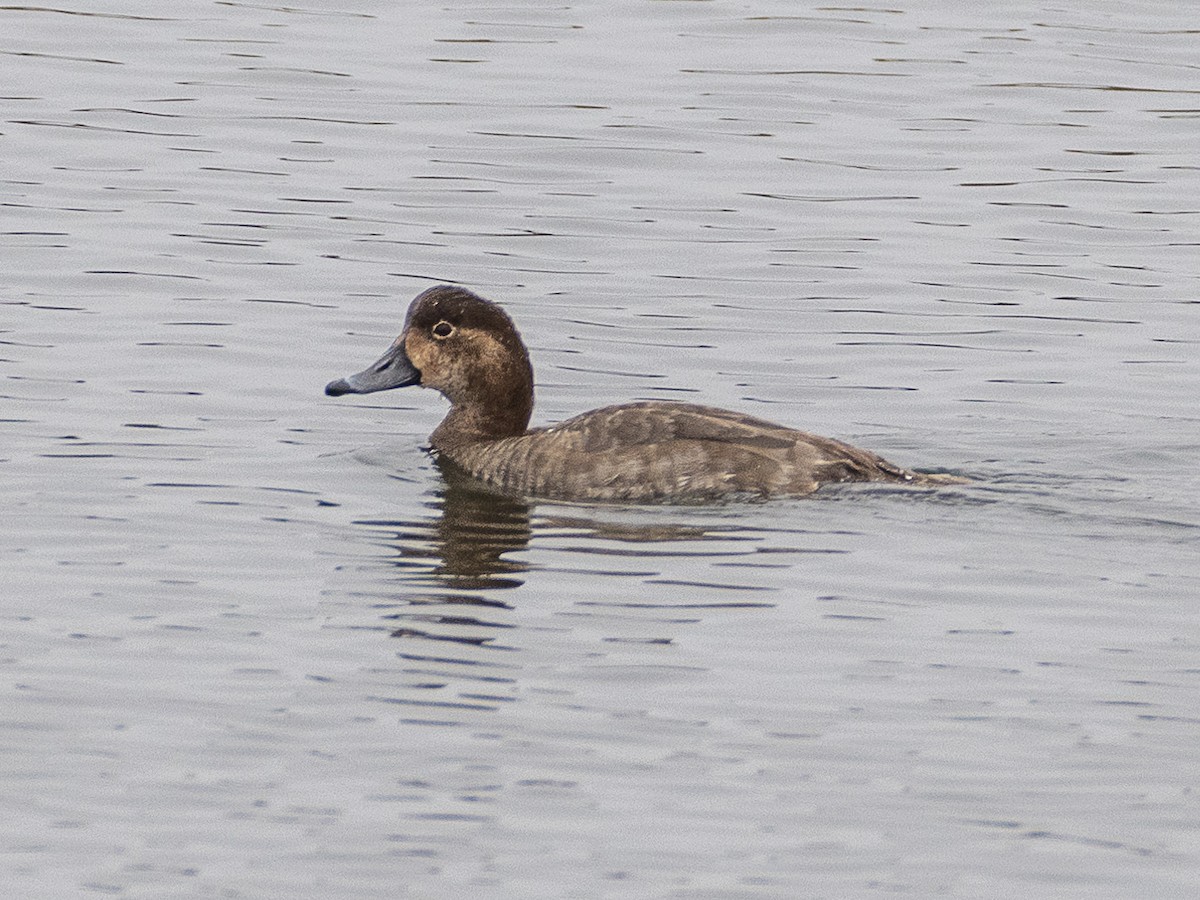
[(444, 366), (419, 354)]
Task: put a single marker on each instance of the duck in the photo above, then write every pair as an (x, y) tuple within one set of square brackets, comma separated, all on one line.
[(469, 350)]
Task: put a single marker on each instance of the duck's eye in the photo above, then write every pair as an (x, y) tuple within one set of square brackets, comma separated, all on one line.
[(442, 329)]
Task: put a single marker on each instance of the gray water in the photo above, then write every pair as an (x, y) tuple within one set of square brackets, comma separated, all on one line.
[(254, 644)]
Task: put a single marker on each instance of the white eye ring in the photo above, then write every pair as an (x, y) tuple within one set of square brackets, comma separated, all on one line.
[(442, 330)]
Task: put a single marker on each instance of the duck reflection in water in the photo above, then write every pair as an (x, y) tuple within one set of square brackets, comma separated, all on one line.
[(476, 529), (447, 562), (467, 546), (452, 565)]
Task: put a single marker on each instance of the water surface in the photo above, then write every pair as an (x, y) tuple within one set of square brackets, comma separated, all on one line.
[(255, 644)]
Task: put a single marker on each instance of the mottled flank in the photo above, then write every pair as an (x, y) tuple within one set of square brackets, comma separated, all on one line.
[(469, 349)]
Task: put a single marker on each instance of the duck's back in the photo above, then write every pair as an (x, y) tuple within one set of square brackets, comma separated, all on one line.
[(668, 451)]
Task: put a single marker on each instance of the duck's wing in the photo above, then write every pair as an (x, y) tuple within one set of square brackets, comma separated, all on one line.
[(760, 456), (643, 424)]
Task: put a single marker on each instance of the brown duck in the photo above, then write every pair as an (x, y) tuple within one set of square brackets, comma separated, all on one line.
[(469, 350)]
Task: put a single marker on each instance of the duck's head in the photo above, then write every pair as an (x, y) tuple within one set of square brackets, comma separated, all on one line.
[(464, 347)]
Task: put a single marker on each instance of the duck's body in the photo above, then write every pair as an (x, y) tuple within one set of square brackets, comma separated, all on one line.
[(468, 349), (654, 451)]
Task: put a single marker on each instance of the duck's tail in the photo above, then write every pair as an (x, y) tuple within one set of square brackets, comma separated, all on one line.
[(938, 478)]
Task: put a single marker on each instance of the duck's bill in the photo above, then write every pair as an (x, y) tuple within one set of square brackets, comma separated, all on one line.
[(392, 370)]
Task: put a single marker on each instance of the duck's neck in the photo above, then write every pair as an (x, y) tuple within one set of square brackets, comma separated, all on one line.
[(488, 419)]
